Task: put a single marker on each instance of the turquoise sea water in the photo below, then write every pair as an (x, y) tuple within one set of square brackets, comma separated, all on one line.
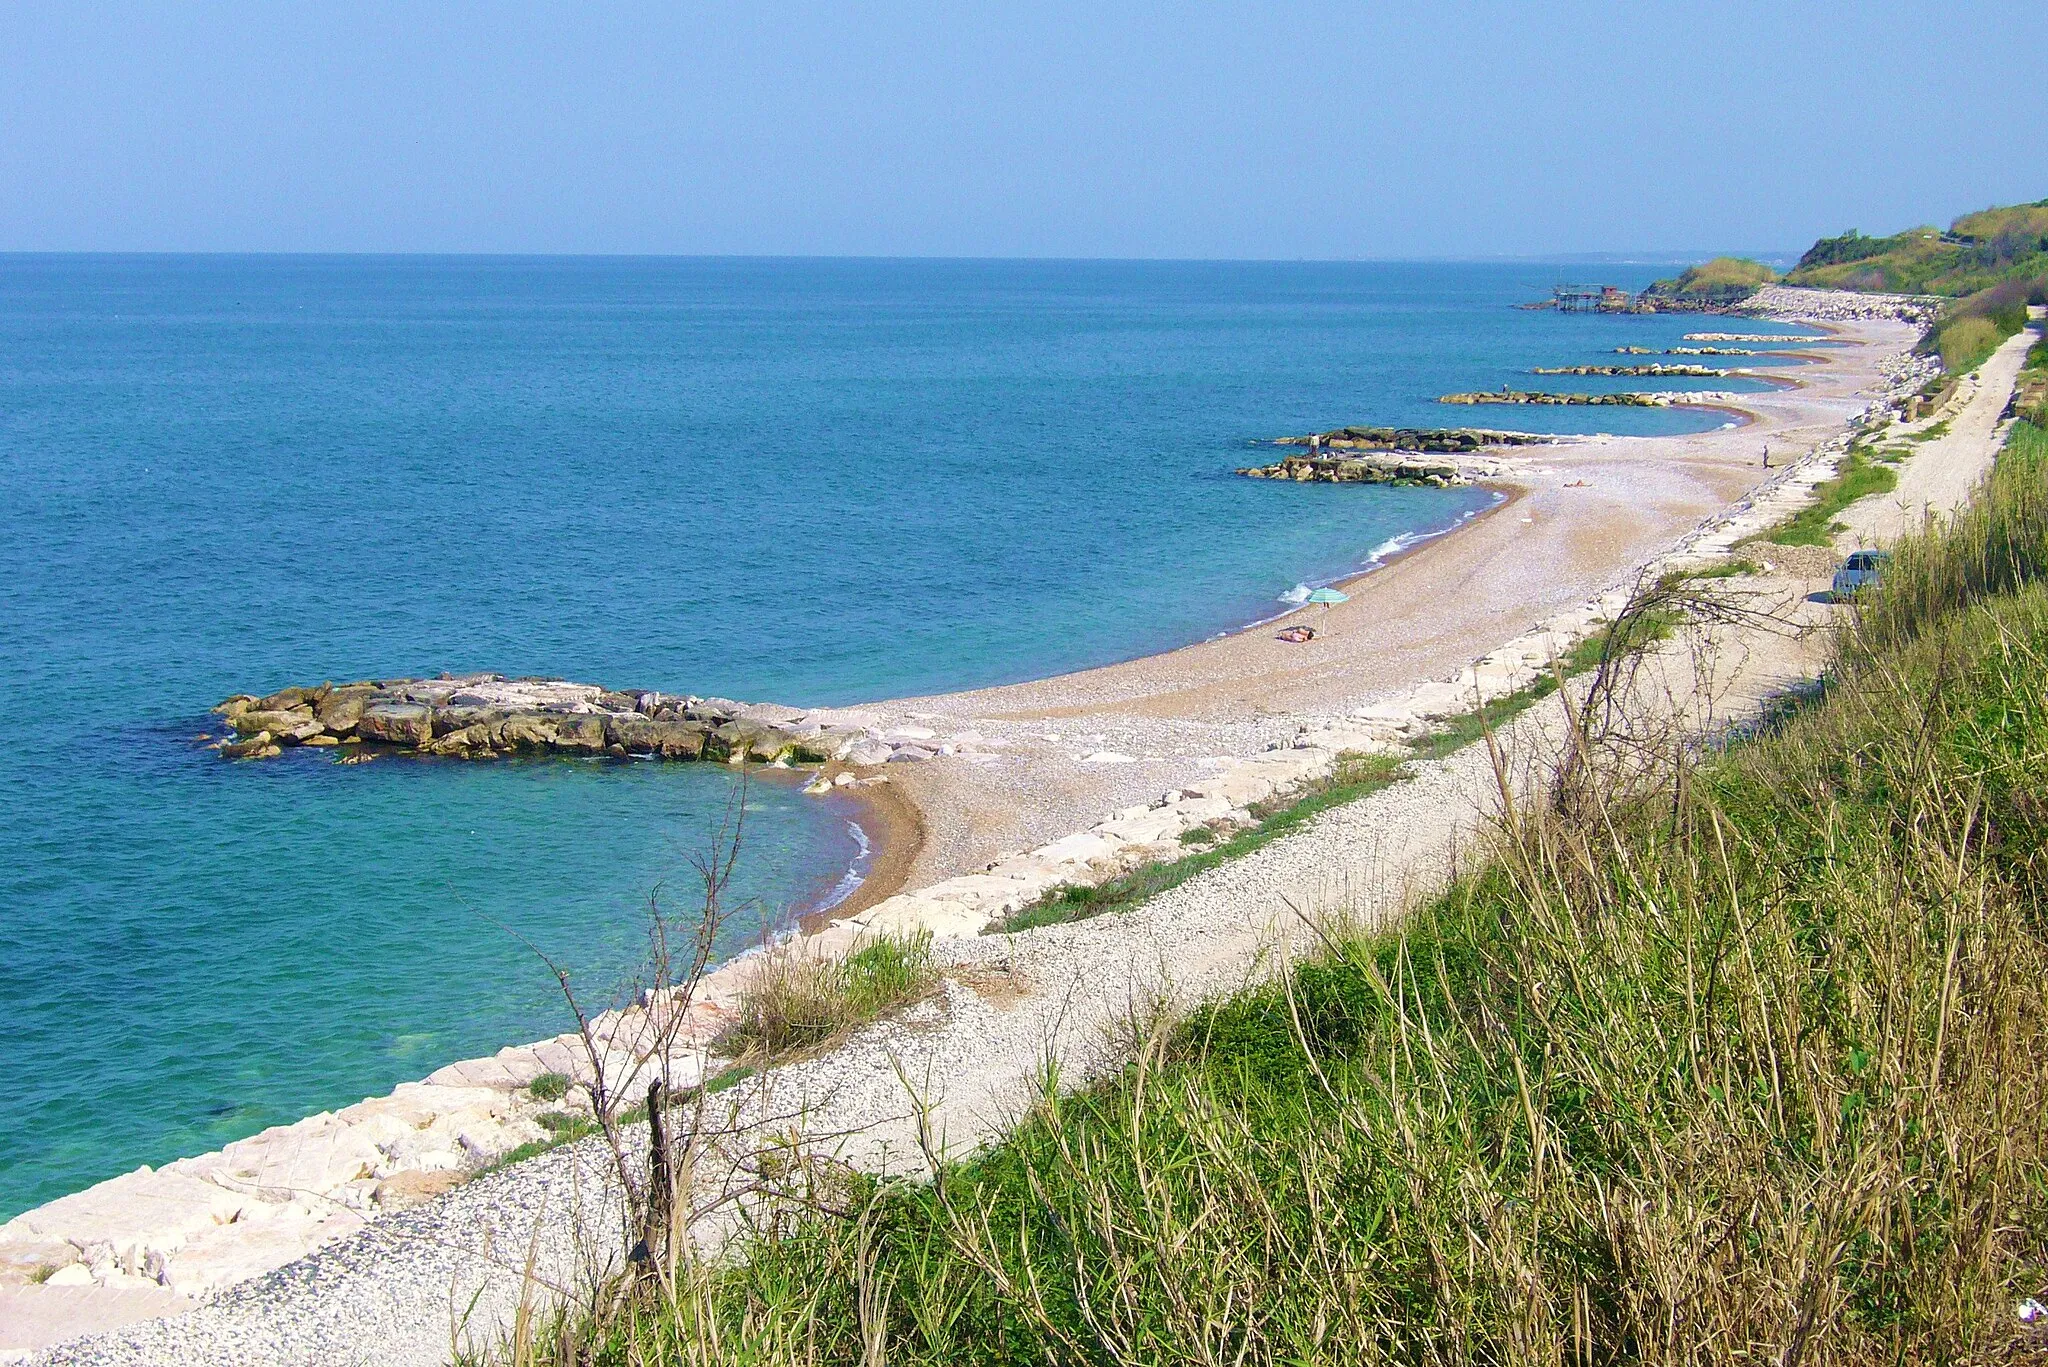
[(801, 481)]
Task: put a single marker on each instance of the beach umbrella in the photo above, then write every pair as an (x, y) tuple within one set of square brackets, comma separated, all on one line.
[(1326, 597)]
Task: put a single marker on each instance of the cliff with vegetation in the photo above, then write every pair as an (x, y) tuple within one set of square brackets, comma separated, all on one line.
[(1978, 251), (1993, 263)]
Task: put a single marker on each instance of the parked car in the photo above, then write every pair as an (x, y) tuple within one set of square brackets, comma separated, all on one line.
[(1860, 571)]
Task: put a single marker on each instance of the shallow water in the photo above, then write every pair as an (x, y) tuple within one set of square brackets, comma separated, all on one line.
[(801, 481)]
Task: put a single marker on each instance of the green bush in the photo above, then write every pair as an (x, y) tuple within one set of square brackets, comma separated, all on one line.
[(548, 1087)]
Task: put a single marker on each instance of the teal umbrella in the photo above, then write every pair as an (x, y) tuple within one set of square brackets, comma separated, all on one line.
[(1325, 597)]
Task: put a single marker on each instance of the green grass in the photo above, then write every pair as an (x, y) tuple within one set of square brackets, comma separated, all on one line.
[(562, 1129), (1723, 280), (1726, 569), (1737, 1058), (549, 1087), (1968, 332), (1356, 776), (796, 1002), (1979, 251), (1859, 476), (1935, 432)]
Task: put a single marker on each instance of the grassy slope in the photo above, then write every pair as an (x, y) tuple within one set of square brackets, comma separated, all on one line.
[(1724, 279), (1745, 1063), (1978, 251), (1991, 262)]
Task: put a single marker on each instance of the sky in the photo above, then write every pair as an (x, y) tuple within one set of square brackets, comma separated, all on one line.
[(1427, 129)]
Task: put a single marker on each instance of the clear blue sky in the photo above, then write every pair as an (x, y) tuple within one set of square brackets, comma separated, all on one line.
[(1327, 130)]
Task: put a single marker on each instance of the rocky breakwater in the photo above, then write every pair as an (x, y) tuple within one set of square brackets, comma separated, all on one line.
[(1751, 337), (1630, 399), (1376, 468), (484, 716), (1435, 457), (1656, 368), (1832, 306), (1688, 351), (1443, 441)]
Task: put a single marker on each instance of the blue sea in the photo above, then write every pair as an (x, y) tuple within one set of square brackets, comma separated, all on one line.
[(804, 481)]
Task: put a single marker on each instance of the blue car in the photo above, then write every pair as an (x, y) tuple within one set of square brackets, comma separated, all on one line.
[(1860, 571)]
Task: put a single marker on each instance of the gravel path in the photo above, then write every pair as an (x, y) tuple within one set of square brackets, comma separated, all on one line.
[(1942, 473)]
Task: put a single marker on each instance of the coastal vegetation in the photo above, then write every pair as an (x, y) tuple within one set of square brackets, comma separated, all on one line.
[(1730, 1055), (797, 1001), (1860, 475), (1978, 251), (1993, 263), (1717, 283), (1966, 334), (1356, 776)]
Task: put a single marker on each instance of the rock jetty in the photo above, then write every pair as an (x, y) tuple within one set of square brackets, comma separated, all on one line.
[(1653, 369), (1693, 351), (1749, 337), (1636, 399), (1422, 456), (487, 716), (1377, 468), (1453, 441)]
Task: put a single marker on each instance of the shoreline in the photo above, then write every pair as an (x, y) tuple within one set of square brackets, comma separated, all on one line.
[(1217, 720), (894, 829)]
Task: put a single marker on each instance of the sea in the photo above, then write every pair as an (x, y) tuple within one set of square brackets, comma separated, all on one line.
[(805, 481)]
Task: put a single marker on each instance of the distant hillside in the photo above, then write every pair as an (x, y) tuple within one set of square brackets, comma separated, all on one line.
[(1724, 280), (1978, 251)]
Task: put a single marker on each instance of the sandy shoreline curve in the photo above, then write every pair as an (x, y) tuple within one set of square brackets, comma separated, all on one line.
[(1053, 779)]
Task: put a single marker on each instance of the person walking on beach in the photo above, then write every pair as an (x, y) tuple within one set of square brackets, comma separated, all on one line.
[(1767, 458)]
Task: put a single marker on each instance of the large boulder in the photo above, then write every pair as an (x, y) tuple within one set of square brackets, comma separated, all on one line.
[(343, 707), (646, 736), (285, 699), (713, 710), (258, 746), (528, 731), (580, 731), (753, 740), (477, 741), (397, 723), (287, 727), (448, 719)]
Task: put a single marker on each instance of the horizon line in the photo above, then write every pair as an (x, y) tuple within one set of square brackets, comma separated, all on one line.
[(1640, 256)]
